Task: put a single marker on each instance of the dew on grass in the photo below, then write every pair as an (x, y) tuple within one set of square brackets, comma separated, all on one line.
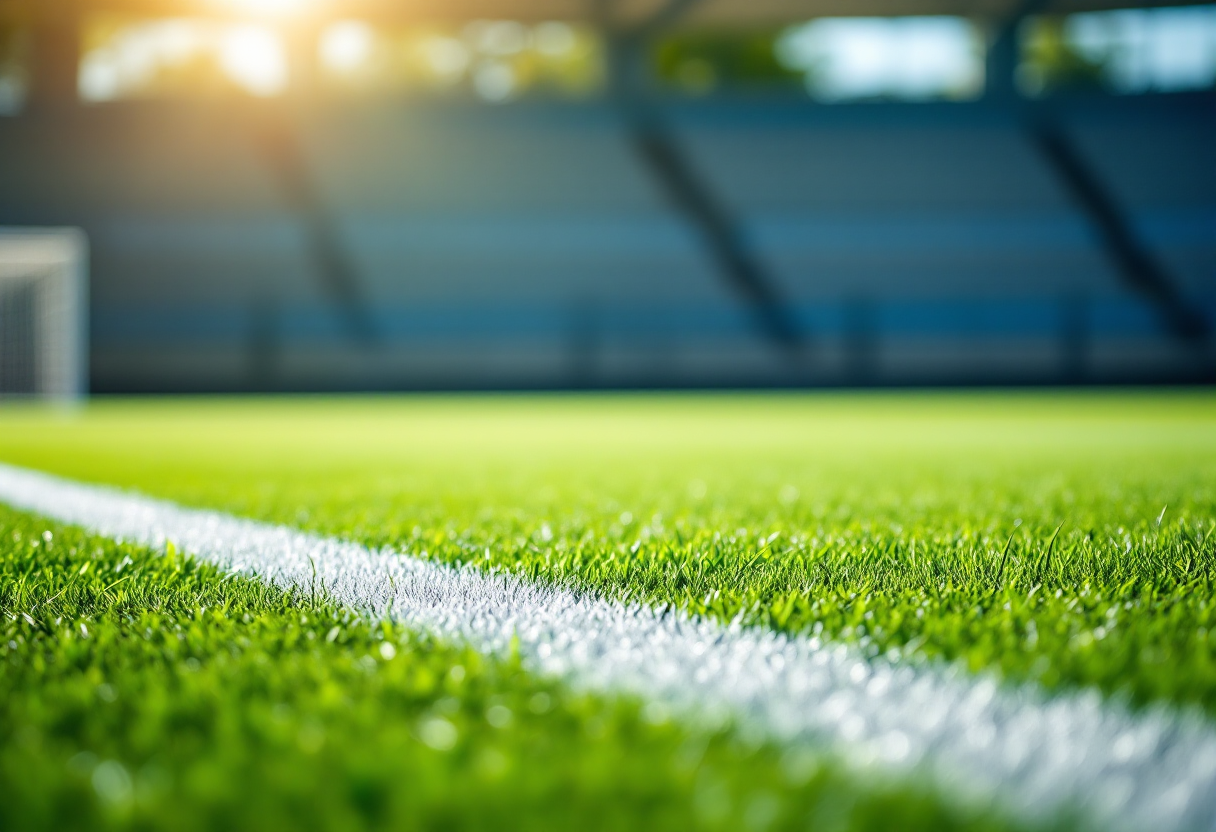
[(655, 713), (499, 716), (112, 782), (894, 747), (438, 733), (800, 764)]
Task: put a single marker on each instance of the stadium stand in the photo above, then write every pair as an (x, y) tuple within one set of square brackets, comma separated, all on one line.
[(631, 238)]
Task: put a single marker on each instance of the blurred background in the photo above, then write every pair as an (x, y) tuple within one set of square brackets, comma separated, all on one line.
[(277, 195)]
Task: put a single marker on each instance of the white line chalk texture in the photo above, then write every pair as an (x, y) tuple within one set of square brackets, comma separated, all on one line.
[(1033, 755)]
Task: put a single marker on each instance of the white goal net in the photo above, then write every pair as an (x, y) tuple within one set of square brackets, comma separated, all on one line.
[(43, 313)]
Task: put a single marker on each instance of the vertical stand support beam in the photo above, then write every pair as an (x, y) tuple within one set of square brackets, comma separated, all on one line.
[(1134, 263), (668, 164), (280, 142), (56, 57)]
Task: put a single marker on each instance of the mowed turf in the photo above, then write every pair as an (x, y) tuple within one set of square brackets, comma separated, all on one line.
[(1065, 540), (140, 690), (915, 522)]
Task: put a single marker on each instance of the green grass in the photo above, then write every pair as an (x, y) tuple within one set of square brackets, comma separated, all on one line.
[(142, 690), (912, 523)]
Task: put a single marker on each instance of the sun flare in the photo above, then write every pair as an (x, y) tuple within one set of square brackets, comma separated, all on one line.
[(277, 8), (255, 59)]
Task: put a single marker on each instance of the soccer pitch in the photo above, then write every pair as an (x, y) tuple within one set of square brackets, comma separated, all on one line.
[(1060, 544)]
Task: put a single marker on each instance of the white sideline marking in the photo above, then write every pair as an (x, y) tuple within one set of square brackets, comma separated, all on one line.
[(1031, 754)]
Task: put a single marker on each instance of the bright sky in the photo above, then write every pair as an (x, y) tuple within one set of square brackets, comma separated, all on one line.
[(1157, 49), (908, 57)]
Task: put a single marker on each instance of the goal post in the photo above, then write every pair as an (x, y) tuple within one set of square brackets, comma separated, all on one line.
[(43, 313)]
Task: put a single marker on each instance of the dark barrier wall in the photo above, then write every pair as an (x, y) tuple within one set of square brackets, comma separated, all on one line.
[(425, 245)]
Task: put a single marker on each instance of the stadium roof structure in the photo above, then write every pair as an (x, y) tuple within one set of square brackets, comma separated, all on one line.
[(625, 12)]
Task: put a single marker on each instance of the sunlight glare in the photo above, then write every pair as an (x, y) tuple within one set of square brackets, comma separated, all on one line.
[(271, 7), (347, 45), (255, 58)]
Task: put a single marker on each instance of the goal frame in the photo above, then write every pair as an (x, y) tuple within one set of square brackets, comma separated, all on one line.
[(54, 261)]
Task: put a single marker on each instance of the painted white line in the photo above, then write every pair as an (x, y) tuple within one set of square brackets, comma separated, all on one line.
[(1031, 754)]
